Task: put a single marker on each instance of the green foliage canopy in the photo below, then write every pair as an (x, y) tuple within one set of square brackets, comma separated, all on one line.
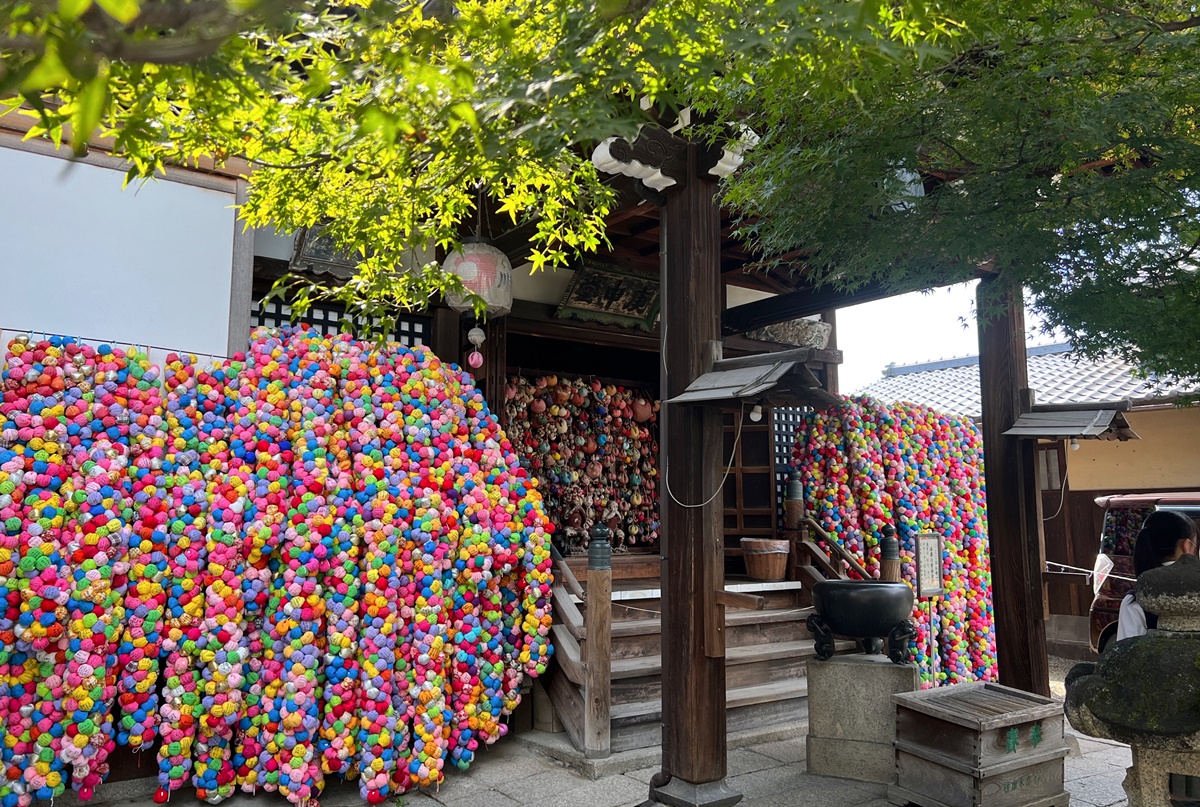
[(395, 121), (1058, 146), (1056, 142)]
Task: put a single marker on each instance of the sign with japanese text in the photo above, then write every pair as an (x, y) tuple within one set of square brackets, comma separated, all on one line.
[(929, 565)]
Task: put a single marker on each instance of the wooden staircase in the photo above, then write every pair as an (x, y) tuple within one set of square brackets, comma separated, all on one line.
[(766, 655)]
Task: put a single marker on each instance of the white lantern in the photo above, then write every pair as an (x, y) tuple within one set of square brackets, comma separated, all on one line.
[(485, 271)]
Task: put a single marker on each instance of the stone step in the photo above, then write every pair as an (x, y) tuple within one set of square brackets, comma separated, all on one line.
[(642, 637), (640, 679), (639, 725), (636, 602)]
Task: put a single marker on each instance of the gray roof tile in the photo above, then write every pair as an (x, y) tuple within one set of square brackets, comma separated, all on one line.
[(952, 385)]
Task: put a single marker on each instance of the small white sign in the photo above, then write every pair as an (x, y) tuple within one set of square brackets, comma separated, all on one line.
[(929, 565)]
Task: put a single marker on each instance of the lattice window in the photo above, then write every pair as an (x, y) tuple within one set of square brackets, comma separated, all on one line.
[(411, 329), (750, 503), (785, 420)]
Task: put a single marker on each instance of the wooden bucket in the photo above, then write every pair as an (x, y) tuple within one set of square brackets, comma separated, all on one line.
[(766, 558)]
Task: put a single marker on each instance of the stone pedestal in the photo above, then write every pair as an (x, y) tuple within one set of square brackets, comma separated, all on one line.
[(1142, 690), (851, 717), (1147, 781)]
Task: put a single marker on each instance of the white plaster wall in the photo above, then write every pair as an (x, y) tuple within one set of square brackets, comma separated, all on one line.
[(543, 286), (270, 243), (1164, 458), (736, 295), (148, 264)]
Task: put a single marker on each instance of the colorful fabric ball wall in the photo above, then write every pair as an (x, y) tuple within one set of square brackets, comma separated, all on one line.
[(318, 559), (865, 465), (594, 448)]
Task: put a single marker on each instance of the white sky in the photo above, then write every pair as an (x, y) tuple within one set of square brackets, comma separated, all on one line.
[(907, 329), (910, 329)]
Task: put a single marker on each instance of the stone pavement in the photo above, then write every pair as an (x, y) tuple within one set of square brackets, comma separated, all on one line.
[(513, 774), (769, 775)]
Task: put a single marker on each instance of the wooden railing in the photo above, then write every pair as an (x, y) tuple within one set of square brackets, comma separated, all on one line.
[(834, 550), (583, 648), (564, 575)]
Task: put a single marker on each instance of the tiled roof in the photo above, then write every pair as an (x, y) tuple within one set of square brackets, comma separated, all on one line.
[(952, 385)]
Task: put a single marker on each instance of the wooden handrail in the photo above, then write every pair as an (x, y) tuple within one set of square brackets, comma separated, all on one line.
[(565, 575), (837, 549), (820, 559), (567, 613)]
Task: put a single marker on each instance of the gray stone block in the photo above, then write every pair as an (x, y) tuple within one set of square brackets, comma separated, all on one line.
[(850, 697), (852, 759)]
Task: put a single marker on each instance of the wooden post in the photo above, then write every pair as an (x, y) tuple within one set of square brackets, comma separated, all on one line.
[(446, 338), (597, 698), (495, 366), (889, 556), (831, 369), (1013, 499), (694, 742), (693, 562)]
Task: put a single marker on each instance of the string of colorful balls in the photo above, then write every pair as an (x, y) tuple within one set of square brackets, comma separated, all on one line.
[(319, 558), (865, 465)]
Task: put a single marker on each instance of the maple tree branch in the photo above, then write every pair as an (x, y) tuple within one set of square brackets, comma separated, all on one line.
[(1165, 26)]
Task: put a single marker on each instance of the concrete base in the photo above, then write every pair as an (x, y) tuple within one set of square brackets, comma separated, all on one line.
[(127, 791), (851, 717), (1069, 637), (901, 797), (678, 793), (851, 759)]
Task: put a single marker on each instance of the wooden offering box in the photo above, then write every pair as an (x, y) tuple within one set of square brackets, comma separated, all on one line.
[(978, 745)]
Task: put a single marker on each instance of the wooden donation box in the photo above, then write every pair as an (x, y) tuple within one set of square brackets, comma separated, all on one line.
[(978, 745)]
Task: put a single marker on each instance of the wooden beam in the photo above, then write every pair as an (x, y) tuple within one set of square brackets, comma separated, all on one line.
[(1013, 497), (737, 599), (694, 741), (800, 303), (644, 227), (537, 319), (639, 209)]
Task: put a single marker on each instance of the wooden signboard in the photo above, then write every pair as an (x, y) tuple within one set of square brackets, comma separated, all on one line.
[(608, 294), (929, 565)]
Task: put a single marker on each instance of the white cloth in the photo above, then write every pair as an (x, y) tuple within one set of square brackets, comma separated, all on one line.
[(1132, 619)]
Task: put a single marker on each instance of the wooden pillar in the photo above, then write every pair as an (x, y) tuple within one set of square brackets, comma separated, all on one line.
[(495, 366), (1013, 499), (831, 369), (446, 336), (691, 441), (694, 742), (597, 693)]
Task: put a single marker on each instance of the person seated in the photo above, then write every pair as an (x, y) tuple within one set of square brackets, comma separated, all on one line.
[(1164, 537)]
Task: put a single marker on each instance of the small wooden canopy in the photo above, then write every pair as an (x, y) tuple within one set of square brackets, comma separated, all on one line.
[(1066, 421), (779, 379)]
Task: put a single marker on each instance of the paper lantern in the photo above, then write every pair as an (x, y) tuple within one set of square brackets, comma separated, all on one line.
[(485, 271)]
